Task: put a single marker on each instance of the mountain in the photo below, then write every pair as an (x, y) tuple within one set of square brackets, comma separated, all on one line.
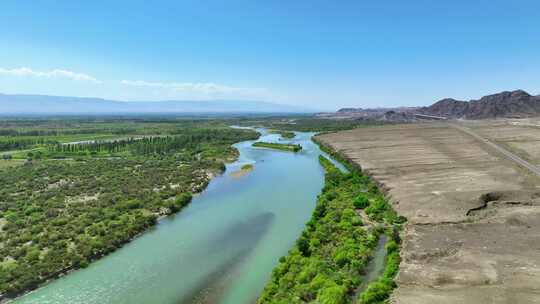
[(505, 104), (398, 114), (514, 104), (43, 105)]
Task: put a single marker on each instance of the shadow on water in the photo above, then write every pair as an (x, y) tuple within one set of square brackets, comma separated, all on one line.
[(242, 237)]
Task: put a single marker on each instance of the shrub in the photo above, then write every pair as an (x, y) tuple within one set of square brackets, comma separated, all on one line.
[(183, 199), (335, 294), (361, 202), (377, 292), (380, 290), (303, 244)]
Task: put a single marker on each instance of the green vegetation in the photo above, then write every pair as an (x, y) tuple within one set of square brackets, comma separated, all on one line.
[(16, 143), (284, 147), (64, 205), (287, 134), (284, 134), (304, 123), (6, 163), (327, 262), (75, 189), (380, 290), (247, 167)]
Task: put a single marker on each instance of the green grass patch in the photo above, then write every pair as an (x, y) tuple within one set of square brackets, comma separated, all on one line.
[(276, 146), (10, 163), (247, 167), (287, 134)]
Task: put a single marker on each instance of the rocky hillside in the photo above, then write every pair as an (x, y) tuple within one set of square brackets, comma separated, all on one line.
[(400, 114), (506, 104)]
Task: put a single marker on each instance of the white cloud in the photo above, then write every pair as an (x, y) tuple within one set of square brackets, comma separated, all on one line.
[(56, 73), (205, 88)]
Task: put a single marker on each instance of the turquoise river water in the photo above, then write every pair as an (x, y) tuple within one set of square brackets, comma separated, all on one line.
[(220, 249)]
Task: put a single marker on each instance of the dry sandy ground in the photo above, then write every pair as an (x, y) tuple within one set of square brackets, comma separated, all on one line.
[(473, 234), (522, 136)]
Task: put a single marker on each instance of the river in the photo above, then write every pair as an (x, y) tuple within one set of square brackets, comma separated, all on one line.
[(220, 249)]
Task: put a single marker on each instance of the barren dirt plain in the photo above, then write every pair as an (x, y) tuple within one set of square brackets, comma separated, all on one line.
[(473, 231)]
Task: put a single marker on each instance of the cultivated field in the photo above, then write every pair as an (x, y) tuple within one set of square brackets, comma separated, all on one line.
[(473, 234)]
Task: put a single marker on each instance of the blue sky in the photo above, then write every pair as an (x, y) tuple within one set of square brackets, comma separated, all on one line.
[(322, 54)]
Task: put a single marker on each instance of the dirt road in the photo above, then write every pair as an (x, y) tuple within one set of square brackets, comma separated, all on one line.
[(534, 169)]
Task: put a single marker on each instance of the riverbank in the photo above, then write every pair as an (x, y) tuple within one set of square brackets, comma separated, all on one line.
[(334, 252), (221, 248), (439, 177), (184, 201), (382, 288), (94, 219)]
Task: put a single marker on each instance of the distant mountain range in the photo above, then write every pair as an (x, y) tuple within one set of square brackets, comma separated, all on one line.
[(506, 104), (50, 105)]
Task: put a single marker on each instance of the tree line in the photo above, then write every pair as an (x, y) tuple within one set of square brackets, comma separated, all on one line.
[(10, 143), (190, 140)]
